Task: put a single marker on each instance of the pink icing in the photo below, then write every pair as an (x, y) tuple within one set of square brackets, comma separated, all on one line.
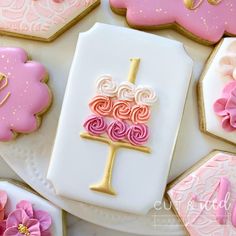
[(28, 94), (138, 134), (204, 181), (233, 215), (212, 20), (39, 18), (95, 125), (101, 105), (117, 130), (225, 107), (121, 110), (140, 114), (224, 188)]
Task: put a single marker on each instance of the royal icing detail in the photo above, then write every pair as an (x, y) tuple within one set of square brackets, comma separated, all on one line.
[(215, 17), (205, 199), (23, 93), (24, 219), (41, 19), (106, 86), (224, 189), (134, 132), (225, 107)]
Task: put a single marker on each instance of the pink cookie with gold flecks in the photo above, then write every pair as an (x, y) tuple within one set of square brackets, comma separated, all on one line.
[(203, 20), (41, 19), (24, 96)]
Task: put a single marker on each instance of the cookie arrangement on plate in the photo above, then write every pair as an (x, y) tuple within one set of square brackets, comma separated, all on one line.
[(122, 111)]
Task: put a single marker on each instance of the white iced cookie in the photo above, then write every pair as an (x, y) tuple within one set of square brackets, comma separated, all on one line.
[(106, 86), (114, 148), (126, 91), (145, 96), (217, 93)]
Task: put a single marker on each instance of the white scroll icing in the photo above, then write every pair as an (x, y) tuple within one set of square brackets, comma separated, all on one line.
[(126, 91), (145, 96), (106, 86)]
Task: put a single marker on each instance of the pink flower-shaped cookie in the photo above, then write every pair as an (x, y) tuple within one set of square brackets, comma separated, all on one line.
[(225, 107), (206, 21), (23, 93)]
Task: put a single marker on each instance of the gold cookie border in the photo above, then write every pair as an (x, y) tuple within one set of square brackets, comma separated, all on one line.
[(27, 188), (174, 26), (186, 173), (56, 34), (200, 97), (38, 116)]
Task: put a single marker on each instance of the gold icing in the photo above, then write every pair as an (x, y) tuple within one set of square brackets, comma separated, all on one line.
[(133, 69), (4, 78), (23, 230), (194, 4), (105, 186)]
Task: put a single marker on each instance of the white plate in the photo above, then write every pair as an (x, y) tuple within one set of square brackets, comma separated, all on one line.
[(29, 155)]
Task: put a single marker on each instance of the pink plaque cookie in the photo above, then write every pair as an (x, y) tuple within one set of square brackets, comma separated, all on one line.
[(204, 197), (23, 93), (41, 19), (203, 20)]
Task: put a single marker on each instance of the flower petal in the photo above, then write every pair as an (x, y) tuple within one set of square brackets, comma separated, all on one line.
[(228, 89), (46, 233), (219, 107), (17, 217), (2, 213), (12, 231), (226, 124), (2, 227), (3, 199), (44, 218), (27, 207), (33, 227)]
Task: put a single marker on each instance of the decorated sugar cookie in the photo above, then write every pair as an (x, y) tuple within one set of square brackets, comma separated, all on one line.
[(206, 21), (24, 96), (218, 106), (204, 197), (114, 134), (22, 212), (41, 19)]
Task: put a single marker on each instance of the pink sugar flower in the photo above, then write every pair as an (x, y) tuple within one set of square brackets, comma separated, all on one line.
[(225, 107), (26, 221)]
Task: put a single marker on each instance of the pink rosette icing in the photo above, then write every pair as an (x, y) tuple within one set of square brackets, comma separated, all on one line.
[(95, 125), (101, 105), (138, 134), (140, 114), (117, 130), (121, 110), (23, 93), (228, 65), (225, 107)]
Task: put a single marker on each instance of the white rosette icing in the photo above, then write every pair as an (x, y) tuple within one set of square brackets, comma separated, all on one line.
[(228, 65), (126, 91), (145, 96), (106, 86)]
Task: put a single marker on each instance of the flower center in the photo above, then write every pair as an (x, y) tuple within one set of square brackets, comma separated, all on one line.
[(23, 230)]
